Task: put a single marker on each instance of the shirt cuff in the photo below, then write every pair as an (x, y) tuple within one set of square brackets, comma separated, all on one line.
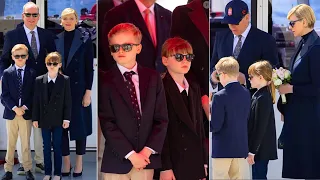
[(129, 154), (152, 151), (13, 108), (251, 153), (66, 121), (25, 107)]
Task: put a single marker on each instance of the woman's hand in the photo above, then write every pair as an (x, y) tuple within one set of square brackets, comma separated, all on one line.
[(285, 89), (86, 101)]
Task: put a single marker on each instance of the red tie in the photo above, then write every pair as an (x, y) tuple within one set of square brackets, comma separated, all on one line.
[(148, 24)]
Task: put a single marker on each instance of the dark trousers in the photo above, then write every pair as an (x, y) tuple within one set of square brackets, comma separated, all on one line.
[(80, 144), (260, 170), (56, 135)]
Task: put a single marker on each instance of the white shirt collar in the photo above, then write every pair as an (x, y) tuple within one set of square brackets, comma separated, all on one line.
[(186, 84), (142, 7), (28, 30), (124, 69), (245, 33), (116, 2), (54, 79), (17, 67)]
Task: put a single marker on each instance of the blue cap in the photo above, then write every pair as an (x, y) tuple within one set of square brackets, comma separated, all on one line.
[(234, 12)]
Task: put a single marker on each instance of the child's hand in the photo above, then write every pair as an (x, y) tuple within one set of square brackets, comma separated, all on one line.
[(250, 159), (138, 161), (65, 124), (167, 175), (18, 111), (146, 152), (86, 101), (35, 124)]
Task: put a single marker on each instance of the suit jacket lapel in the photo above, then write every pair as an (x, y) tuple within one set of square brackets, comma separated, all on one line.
[(246, 46), (45, 88), (143, 85), (24, 38), (192, 107), (159, 21), (199, 18), (25, 80), (15, 76), (42, 42), (76, 43), (60, 47), (229, 44)]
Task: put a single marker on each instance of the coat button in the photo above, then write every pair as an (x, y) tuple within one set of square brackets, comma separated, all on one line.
[(75, 71), (202, 68), (185, 149), (182, 135), (36, 62), (76, 83)]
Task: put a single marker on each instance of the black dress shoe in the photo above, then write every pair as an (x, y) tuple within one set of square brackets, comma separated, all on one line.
[(29, 175), (7, 176), (77, 174), (64, 174)]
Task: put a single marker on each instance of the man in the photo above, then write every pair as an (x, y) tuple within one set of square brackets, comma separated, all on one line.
[(39, 42), (244, 42), (152, 19)]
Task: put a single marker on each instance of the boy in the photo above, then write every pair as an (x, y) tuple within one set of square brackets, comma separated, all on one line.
[(52, 112), (132, 110), (184, 155), (17, 91), (229, 121)]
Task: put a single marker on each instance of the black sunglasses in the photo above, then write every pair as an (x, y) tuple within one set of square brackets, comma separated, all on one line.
[(23, 56), (180, 57), (55, 64), (31, 14), (126, 47), (292, 23)]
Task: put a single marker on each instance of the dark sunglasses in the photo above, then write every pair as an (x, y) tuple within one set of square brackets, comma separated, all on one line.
[(126, 47), (55, 64), (292, 23), (31, 14), (23, 56), (180, 57)]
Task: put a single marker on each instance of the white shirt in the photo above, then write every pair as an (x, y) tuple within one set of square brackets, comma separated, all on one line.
[(186, 84), (29, 36), (152, 17), (135, 79), (243, 38)]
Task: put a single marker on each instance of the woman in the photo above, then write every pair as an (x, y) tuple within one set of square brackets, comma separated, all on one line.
[(77, 63), (301, 129)]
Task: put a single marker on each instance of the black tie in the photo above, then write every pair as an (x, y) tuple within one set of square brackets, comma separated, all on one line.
[(133, 95), (20, 82), (50, 88)]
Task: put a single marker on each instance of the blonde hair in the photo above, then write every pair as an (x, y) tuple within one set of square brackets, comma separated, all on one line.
[(126, 27), (18, 47), (30, 4), (175, 45), (264, 69), (53, 57), (228, 65), (68, 11), (303, 11)]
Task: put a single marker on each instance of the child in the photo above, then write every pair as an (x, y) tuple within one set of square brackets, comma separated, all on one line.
[(52, 111), (229, 121), (132, 110), (261, 126), (17, 91), (184, 155)]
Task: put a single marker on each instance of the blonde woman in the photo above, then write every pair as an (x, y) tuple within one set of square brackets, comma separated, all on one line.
[(77, 63), (301, 129)]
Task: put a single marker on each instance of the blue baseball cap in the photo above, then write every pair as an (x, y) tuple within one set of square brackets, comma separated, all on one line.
[(234, 12)]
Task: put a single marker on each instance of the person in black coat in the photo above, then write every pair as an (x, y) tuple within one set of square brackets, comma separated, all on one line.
[(261, 125), (52, 111), (301, 149)]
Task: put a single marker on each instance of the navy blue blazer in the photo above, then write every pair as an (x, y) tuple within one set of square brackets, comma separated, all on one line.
[(9, 95), (129, 12), (18, 36), (229, 121), (258, 45)]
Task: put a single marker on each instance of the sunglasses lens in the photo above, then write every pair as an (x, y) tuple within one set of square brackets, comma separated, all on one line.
[(34, 15), (55, 64), (23, 56), (127, 47), (179, 57), (189, 57), (20, 56), (27, 14), (114, 48)]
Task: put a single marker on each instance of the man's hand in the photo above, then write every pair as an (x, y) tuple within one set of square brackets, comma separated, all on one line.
[(35, 124), (250, 159), (167, 175), (86, 101), (138, 160), (242, 78), (65, 124), (19, 111)]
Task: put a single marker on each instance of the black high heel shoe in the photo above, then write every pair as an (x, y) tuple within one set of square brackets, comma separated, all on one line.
[(77, 174), (64, 174)]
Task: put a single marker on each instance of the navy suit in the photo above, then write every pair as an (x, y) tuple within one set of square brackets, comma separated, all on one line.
[(301, 155), (129, 12), (229, 121), (10, 92), (258, 45), (18, 36)]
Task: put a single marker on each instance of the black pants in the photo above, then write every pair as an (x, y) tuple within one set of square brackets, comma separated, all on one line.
[(80, 144), (260, 170)]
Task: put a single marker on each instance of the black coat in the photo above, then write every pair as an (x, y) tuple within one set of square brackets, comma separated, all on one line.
[(51, 112), (184, 149), (117, 119), (261, 126)]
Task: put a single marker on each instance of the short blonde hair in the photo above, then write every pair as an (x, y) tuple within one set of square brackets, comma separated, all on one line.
[(30, 4), (175, 45), (228, 65), (68, 11), (303, 11), (53, 57), (126, 27), (18, 47)]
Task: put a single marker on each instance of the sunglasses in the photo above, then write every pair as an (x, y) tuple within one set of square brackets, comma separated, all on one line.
[(55, 64), (126, 47), (31, 14), (292, 23), (23, 56), (218, 75), (180, 57)]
